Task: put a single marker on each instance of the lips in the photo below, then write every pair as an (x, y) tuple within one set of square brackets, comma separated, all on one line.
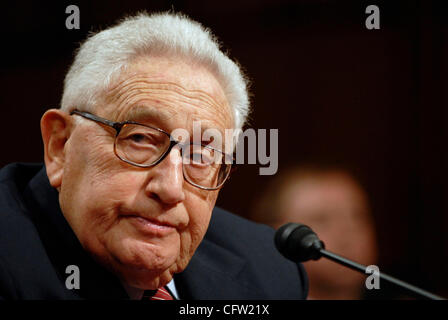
[(150, 226), (154, 221)]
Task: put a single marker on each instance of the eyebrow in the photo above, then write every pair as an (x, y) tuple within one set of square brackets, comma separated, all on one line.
[(142, 113), (157, 116)]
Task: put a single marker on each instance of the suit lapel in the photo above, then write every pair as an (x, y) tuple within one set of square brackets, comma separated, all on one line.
[(64, 248), (213, 273)]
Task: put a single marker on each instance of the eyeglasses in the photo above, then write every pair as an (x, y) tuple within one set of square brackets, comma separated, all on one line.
[(144, 146)]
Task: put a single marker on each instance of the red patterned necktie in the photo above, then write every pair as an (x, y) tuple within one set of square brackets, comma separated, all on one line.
[(160, 294)]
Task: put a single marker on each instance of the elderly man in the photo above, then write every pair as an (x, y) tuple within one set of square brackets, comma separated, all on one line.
[(124, 208)]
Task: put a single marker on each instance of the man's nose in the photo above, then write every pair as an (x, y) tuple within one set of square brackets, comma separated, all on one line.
[(167, 179)]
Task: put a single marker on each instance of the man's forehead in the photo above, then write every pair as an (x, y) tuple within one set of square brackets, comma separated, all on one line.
[(162, 89)]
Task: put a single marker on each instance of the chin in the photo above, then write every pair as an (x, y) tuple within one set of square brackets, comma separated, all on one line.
[(145, 265), (146, 279)]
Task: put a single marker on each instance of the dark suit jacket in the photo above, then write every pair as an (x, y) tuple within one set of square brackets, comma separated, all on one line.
[(236, 260)]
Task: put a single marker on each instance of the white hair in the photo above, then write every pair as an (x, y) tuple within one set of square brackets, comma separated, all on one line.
[(105, 55)]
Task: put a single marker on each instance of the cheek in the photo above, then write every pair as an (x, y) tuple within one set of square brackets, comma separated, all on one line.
[(199, 209), (201, 212), (99, 172), (104, 196), (94, 186)]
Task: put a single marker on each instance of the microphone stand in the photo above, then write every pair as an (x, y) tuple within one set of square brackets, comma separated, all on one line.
[(362, 268), (298, 243)]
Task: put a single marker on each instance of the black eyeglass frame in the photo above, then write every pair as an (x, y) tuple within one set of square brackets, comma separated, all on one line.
[(229, 159)]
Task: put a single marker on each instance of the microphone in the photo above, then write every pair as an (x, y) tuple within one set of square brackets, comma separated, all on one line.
[(299, 243)]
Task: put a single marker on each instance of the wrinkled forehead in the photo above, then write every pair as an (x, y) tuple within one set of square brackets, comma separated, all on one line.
[(168, 89)]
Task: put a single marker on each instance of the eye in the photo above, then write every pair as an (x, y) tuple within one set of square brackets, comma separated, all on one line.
[(198, 159), (203, 158), (139, 138)]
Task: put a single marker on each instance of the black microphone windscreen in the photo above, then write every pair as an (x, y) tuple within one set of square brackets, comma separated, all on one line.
[(298, 242)]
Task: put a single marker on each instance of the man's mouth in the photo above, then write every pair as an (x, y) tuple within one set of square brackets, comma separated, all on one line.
[(150, 226)]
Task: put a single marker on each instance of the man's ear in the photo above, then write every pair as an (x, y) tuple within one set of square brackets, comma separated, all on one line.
[(55, 126)]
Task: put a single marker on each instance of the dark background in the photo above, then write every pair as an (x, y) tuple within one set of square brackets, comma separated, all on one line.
[(370, 101)]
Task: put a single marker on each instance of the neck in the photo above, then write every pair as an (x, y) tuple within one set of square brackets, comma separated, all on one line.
[(133, 293)]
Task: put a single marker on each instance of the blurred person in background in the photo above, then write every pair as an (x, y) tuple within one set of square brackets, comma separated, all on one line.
[(335, 206)]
